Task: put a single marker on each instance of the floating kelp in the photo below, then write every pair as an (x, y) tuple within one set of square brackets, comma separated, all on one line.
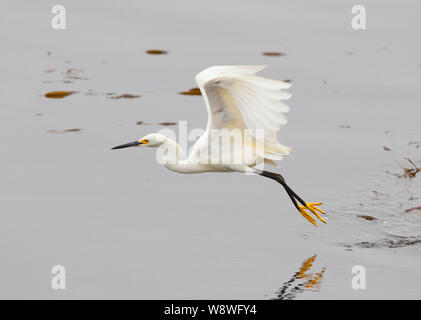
[(59, 94), (412, 209), (397, 242), (125, 96), (274, 54), (191, 92), (140, 123), (410, 172), (74, 130), (365, 217), (156, 51)]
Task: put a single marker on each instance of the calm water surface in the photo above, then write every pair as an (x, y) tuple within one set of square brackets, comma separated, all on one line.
[(124, 227)]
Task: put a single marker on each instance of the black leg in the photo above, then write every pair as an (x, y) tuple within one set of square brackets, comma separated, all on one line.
[(294, 198), (280, 179)]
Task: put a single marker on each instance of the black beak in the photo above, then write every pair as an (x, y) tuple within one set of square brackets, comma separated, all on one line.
[(127, 145)]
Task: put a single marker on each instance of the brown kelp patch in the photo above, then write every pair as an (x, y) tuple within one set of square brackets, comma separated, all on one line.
[(125, 96), (274, 54), (167, 123), (59, 94), (365, 217), (395, 242), (191, 92), (408, 173), (411, 172), (156, 51), (413, 209), (74, 130)]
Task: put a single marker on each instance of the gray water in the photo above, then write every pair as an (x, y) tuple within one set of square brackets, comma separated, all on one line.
[(125, 227)]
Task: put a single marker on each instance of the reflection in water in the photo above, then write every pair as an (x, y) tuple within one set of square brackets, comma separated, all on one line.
[(301, 281)]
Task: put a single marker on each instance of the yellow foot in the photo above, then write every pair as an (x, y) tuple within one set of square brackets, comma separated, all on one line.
[(312, 207)]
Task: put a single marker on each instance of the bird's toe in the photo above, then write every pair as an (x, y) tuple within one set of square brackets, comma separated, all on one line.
[(312, 207)]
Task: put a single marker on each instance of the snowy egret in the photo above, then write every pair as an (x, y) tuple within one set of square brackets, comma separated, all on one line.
[(236, 99)]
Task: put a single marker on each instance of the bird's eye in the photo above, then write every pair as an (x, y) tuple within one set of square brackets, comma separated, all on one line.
[(145, 141)]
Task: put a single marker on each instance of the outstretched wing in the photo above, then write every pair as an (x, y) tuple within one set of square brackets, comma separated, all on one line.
[(236, 98)]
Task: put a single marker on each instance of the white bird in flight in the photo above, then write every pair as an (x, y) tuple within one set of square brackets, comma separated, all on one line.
[(236, 99)]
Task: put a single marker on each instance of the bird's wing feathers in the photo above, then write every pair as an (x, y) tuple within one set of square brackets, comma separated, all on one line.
[(236, 98)]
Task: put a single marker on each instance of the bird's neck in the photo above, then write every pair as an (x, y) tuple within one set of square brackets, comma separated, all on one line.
[(175, 159), (172, 155)]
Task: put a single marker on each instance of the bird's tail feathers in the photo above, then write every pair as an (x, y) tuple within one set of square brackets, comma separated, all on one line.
[(276, 152)]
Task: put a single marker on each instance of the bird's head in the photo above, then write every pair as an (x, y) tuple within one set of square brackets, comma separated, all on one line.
[(153, 140)]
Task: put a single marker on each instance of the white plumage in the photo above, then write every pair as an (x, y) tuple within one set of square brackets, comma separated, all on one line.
[(236, 98), (237, 101)]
